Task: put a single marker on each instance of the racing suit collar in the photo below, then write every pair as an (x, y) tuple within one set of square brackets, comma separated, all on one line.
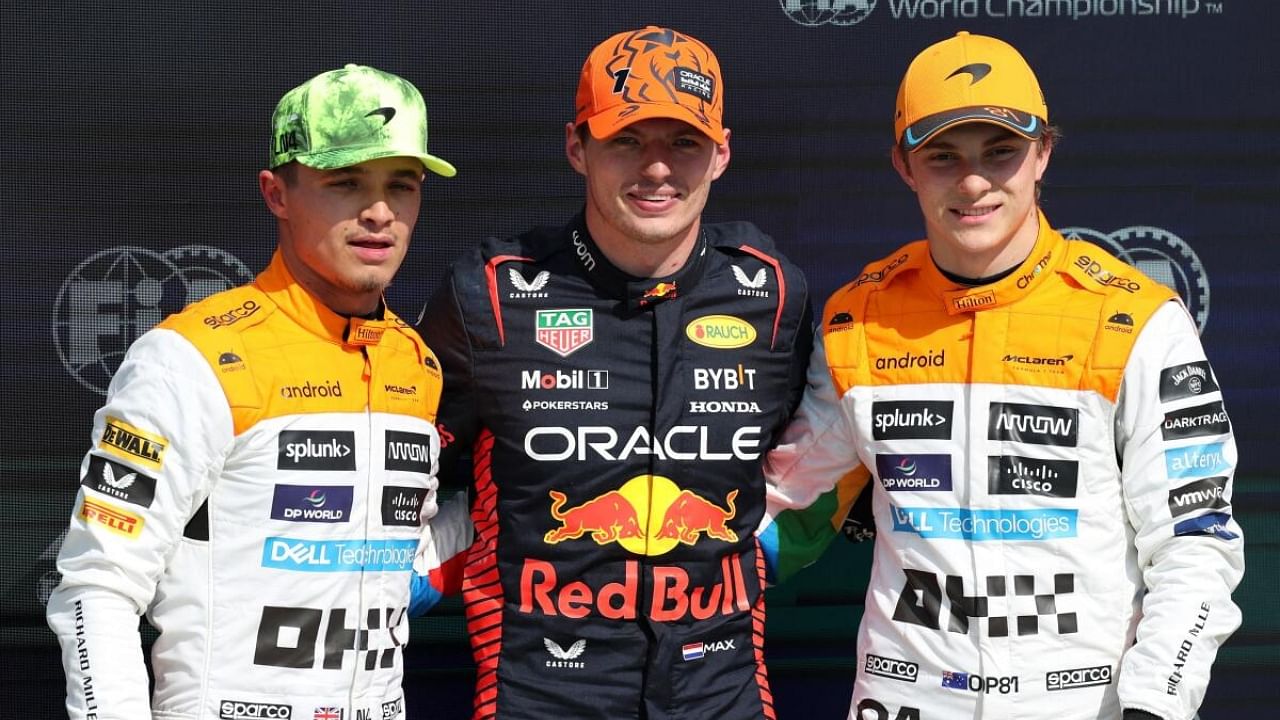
[(1046, 256), (637, 293), (307, 310)]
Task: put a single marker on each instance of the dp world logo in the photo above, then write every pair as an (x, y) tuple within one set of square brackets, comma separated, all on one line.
[(114, 296), (1161, 256), (812, 13)]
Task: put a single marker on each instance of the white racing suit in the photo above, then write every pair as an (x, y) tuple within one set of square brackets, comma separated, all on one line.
[(1051, 465), (257, 485)]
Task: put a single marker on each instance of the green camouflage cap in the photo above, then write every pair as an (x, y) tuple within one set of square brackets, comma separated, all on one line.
[(345, 117)]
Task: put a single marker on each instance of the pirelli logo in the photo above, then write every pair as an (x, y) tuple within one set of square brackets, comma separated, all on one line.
[(130, 443), (117, 520)]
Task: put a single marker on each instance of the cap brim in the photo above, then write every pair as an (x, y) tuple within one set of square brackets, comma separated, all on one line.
[(347, 157), (916, 135), (609, 121)]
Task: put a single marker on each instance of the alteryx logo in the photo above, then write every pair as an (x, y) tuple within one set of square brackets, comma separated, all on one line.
[(297, 555), (1196, 461), (983, 525)]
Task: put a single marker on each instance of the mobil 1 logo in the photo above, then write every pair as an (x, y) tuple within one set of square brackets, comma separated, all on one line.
[(911, 420), (412, 452)]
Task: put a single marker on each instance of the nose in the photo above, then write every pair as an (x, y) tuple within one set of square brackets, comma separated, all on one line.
[(974, 184), (657, 163), (378, 213)]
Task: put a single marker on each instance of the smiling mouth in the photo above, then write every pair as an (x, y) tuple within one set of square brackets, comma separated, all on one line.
[(975, 212)]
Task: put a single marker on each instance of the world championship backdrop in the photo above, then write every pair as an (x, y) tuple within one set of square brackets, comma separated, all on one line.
[(133, 133)]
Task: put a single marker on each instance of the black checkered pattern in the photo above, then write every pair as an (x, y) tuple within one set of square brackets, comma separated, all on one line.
[(920, 603)]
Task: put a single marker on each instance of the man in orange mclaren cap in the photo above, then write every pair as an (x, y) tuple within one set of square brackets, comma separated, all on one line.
[(615, 382), (1045, 444)]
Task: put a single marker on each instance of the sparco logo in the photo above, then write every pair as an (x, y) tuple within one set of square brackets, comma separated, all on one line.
[(316, 450), (391, 710), (891, 668), (232, 316), (413, 452), (240, 710), (1037, 424), (1183, 381), (910, 360), (564, 380), (1077, 678), (911, 419)]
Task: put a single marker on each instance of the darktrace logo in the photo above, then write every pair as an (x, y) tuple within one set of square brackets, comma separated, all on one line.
[(976, 72), (914, 472), (1199, 495), (1014, 475), (402, 506), (412, 452), (891, 668), (911, 420), (1189, 380), (1073, 678), (1036, 424), (119, 481), (316, 450), (386, 113), (1198, 421)]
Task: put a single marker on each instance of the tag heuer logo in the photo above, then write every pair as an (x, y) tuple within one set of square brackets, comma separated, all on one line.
[(564, 331)]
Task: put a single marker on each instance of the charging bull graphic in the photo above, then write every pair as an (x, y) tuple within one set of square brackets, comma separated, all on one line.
[(647, 515), (608, 518), (690, 514)]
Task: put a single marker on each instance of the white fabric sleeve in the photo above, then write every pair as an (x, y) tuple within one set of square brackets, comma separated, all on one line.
[(1178, 457), (116, 548), (817, 447)]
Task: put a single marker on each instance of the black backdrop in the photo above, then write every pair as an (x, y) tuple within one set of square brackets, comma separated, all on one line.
[(132, 136)]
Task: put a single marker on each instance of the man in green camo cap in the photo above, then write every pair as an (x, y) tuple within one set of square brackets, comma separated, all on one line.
[(276, 591)]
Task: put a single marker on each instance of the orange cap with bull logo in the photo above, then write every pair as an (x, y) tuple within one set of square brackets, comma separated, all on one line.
[(653, 72)]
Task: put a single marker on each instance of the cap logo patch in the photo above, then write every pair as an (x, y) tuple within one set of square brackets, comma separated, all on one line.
[(976, 71), (695, 83), (386, 113)]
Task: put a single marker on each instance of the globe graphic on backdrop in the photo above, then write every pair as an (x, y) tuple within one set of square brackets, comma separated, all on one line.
[(812, 13), (116, 295)]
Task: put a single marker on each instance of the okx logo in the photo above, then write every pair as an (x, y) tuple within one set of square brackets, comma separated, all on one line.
[(648, 515)]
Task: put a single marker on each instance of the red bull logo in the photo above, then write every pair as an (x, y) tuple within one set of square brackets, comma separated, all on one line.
[(608, 518), (671, 596), (648, 515), (658, 292)]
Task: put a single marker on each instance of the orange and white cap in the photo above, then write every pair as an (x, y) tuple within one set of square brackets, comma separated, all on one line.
[(963, 79), (653, 72)]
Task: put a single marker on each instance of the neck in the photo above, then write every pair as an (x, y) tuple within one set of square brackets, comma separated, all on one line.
[(648, 258), (954, 258)]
